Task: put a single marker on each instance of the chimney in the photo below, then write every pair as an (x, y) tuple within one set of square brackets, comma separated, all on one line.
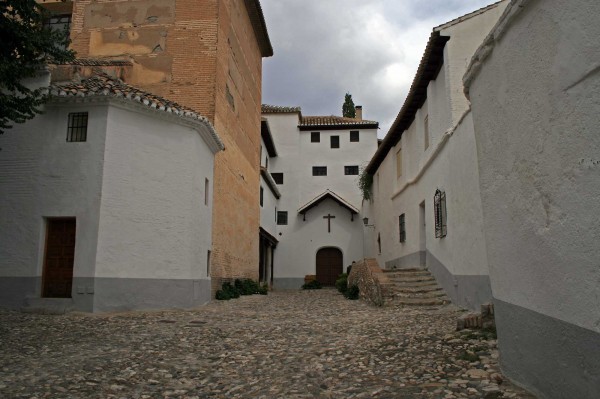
[(358, 109)]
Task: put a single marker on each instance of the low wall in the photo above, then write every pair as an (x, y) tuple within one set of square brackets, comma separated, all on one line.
[(370, 279)]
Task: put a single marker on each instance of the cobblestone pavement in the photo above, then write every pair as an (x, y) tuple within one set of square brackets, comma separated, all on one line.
[(300, 344)]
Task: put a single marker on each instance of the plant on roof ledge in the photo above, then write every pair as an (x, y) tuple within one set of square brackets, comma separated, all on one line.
[(365, 183)]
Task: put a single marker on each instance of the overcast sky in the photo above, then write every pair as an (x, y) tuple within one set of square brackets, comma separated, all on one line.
[(369, 48)]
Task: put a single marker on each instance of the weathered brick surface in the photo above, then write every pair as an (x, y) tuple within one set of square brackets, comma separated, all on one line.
[(202, 54)]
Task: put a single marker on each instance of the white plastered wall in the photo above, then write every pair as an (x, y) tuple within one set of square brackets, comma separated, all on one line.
[(154, 221)]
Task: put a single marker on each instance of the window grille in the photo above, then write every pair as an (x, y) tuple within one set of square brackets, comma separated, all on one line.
[(439, 207), (315, 137), (319, 170), (354, 136), (351, 170), (282, 217), (335, 141), (61, 23), (402, 226), (77, 128)]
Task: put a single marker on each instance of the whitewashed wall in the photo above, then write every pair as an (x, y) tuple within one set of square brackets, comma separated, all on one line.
[(449, 163), (43, 176), (300, 240), (154, 231), (270, 202), (536, 101)]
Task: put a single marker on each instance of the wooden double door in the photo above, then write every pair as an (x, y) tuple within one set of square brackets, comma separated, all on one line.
[(59, 257), (330, 264)]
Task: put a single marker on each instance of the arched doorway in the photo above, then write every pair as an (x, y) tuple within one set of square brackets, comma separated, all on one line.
[(330, 264)]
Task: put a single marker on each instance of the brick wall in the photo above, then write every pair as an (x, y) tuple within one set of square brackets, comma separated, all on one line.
[(202, 54)]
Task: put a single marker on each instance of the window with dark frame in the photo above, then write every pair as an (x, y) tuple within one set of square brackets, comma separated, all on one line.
[(206, 193), (319, 170), (402, 227), (379, 242), (354, 136), (262, 195), (439, 210), (77, 127), (351, 170), (282, 217), (315, 137), (60, 22), (277, 178), (335, 141)]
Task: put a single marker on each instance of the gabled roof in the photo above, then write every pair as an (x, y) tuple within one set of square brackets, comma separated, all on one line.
[(335, 122), (265, 134), (327, 194), (102, 85), (270, 182), (259, 25), (279, 109)]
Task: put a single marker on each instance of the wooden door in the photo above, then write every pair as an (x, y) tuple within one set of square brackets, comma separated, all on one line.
[(329, 265), (58, 258)]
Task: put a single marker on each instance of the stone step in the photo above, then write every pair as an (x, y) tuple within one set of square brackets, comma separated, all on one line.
[(430, 294), (419, 301), (417, 290), (407, 279), (413, 284), (407, 272)]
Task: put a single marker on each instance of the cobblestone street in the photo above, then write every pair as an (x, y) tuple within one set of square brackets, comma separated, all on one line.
[(297, 344)]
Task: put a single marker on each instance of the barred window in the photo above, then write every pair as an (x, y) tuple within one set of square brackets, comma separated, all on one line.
[(77, 128), (319, 170), (315, 137), (439, 207), (354, 136), (351, 170), (335, 141), (282, 217), (402, 227)]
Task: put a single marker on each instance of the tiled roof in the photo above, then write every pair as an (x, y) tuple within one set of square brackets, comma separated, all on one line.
[(98, 62), (278, 109), (102, 85), (333, 120)]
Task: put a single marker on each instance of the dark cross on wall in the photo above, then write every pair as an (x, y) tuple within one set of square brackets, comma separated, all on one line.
[(329, 217)]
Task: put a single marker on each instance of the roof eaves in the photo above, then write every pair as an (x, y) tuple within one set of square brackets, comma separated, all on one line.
[(265, 132), (469, 15), (323, 196), (270, 182), (430, 66), (260, 27)]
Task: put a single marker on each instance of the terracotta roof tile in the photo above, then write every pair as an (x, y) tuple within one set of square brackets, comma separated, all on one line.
[(278, 109), (333, 120), (98, 62)]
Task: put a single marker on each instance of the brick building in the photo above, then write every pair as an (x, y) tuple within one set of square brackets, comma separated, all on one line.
[(206, 55)]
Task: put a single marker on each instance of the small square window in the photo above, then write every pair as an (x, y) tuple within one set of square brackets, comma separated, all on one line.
[(402, 227), (262, 195), (335, 141), (315, 137), (319, 170), (282, 218), (77, 128), (351, 170), (354, 136), (277, 177)]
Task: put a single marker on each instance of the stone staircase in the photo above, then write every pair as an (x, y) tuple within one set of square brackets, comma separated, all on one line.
[(412, 287)]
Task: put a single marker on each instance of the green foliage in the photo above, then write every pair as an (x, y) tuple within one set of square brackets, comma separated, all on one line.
[(342, 283), (348, 109), (241, 287), (227, 292), (25, 47), (312, 285), (365, 183), (352, 292)]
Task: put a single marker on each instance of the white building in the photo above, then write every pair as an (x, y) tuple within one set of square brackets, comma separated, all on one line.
[(426, 207), (534, 86), (105, 201), (319, 226)]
